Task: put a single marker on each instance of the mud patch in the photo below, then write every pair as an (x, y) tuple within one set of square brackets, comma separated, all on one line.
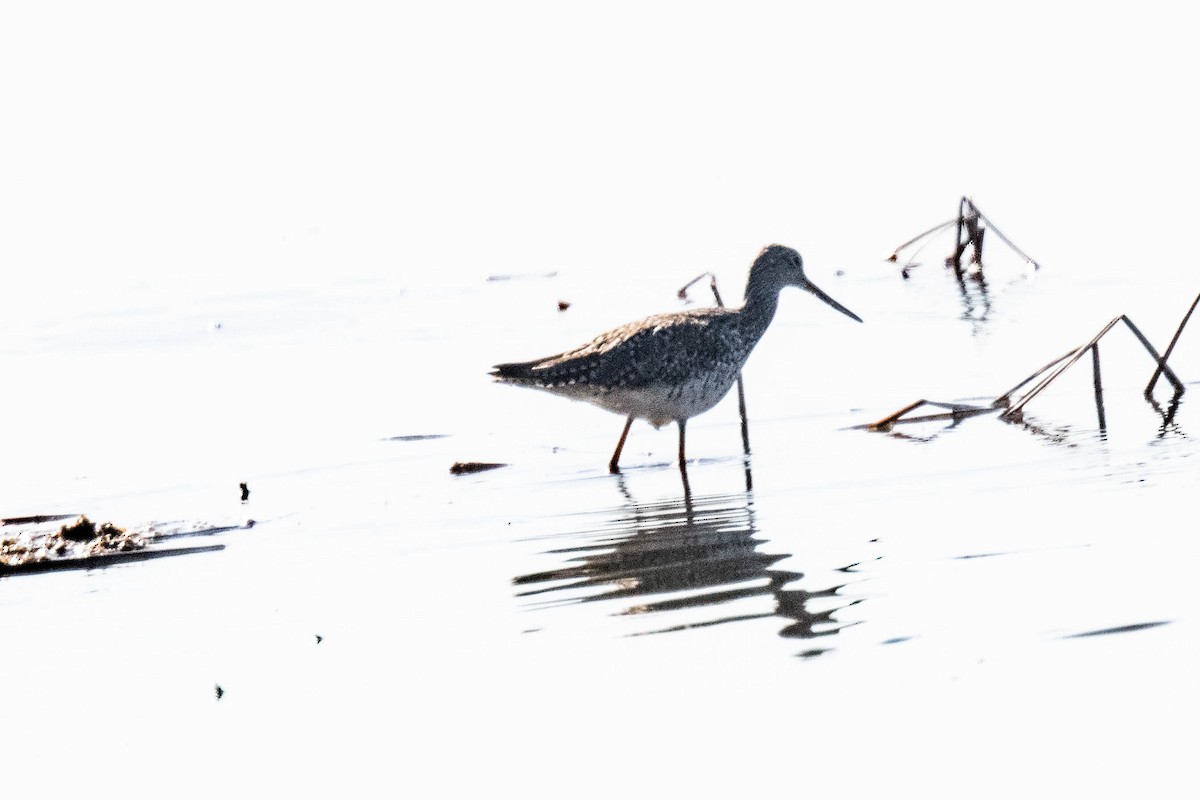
[(82, 544)]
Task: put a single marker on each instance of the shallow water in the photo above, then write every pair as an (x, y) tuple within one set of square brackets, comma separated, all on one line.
[(995, 585)]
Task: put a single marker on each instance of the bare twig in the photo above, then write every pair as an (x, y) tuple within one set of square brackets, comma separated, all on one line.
[(712, 284), (1096, 386), (1008, 241), (1078, 353), (37, 518), (1003, 400), (935, 229), (966, 211), (1075, 356), (955, 411), (1167, 353), (1162, 360)]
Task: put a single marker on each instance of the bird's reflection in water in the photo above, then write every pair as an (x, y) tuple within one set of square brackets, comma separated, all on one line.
[(692, 553)]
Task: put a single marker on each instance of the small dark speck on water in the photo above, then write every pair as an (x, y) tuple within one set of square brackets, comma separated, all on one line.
[(320, 638), (840, 272), (469, 467), (219, 691), (245, 492), (563, 305)]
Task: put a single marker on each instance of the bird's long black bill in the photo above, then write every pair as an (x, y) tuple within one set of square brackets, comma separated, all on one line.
[(812, 287)]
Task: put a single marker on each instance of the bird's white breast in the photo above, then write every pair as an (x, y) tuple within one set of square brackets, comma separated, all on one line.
[(662, 404)]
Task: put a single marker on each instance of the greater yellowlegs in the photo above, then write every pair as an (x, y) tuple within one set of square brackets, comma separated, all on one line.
[(670, 366)]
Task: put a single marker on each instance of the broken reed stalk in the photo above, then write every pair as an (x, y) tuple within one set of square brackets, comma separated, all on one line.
[(1059, 366), (1075, 356), (37, 518), (1013, 410), (1167, 353), (955, 411), (935, 229), (1160, 360), (1008, 241), (741, 389), (1097, 387), (968, 221), (890, 419), (959, 245), (1005, 399), (1071, 359)]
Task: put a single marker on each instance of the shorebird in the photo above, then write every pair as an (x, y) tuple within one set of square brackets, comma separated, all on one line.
[(673, 366)]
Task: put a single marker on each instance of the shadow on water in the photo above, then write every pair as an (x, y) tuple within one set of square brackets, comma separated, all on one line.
[(687, 554)]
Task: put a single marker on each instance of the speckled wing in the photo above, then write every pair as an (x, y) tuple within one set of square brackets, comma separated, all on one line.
[(663, 349)]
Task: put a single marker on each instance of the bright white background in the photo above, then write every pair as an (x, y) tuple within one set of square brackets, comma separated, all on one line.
[(197, 144), (333, 182)]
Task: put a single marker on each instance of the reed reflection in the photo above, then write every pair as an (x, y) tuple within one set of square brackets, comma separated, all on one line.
[(976, 302), (1169, 426), (687, 554)]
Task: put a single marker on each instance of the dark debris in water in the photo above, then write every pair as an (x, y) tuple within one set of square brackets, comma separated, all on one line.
[(84, 530), (417, 437), (1138, 626), (471, 467), (80, 539)]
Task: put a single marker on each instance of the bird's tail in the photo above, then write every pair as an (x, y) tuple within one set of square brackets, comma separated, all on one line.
[(516, 371)]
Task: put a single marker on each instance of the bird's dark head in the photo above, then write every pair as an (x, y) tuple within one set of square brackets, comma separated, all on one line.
[(778, 266)]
